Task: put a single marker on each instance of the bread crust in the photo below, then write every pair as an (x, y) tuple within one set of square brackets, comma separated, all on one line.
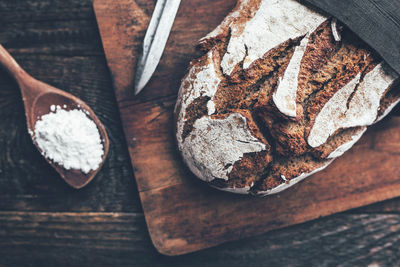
[(281, 91)]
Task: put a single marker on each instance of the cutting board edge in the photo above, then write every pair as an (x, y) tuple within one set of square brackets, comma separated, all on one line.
[(177, 251), (170, 251)]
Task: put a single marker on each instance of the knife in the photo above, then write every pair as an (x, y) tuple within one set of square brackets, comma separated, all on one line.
[(155, 40)]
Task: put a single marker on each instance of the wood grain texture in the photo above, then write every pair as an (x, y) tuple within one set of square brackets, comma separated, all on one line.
[(184, 215), (43, 222), (120, 239)]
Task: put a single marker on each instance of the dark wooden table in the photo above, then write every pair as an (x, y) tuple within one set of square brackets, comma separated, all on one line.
[(43, 222)]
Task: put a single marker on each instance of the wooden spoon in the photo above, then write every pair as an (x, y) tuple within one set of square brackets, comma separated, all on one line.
[(38, 97)]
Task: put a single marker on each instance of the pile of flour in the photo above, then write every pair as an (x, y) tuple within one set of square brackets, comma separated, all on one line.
[(70, 139)]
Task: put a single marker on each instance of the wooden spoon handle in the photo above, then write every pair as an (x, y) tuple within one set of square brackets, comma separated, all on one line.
[(10, 64)]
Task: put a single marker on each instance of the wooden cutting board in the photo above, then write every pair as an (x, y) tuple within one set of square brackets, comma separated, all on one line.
[(182, 213)]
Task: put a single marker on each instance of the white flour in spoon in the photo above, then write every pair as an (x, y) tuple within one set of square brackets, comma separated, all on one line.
[(70, 139)]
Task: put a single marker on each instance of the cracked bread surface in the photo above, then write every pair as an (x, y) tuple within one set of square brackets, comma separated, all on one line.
[(281, 91)]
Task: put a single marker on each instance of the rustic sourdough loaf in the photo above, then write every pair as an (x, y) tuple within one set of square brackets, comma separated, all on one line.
[(281, 91)]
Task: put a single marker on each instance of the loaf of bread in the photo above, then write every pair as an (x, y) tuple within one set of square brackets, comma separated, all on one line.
[(281, 91)]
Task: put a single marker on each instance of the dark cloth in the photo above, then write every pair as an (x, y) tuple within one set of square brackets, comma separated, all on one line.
[(377, 22)]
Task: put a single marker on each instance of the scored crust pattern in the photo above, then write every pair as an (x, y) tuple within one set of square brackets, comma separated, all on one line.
[(281, 91)]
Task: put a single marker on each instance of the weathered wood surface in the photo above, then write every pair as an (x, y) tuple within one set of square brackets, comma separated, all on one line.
[(43, 222), (121, 239), (178, 209)]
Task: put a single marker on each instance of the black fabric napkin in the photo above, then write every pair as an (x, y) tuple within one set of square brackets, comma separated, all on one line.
[(377, 22)]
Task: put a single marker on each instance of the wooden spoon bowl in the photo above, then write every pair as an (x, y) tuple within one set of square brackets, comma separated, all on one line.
[(38, 98)]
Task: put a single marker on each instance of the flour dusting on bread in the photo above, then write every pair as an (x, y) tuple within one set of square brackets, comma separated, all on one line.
[(281, 91), (218, 144)]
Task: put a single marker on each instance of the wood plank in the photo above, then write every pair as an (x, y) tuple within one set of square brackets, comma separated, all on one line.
[(135, 20), (184, 215), (72, 239), (388, 206), (120, 239)]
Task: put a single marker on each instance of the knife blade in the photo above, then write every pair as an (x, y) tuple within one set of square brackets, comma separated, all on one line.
[(154, 41)]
